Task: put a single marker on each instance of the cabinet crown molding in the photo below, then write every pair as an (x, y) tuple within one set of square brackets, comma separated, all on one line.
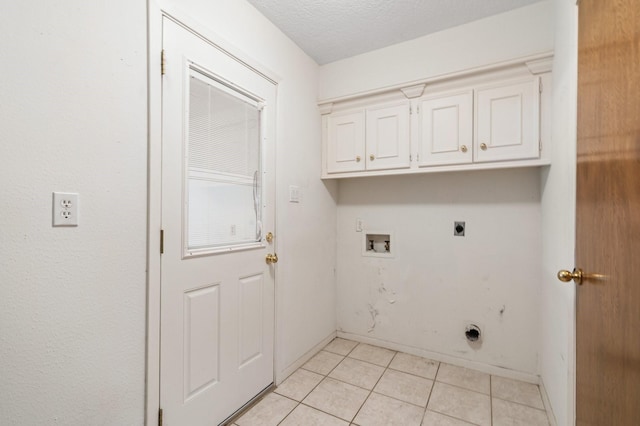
[(540, 66), (325, 108), (536, 64), (413, 91)]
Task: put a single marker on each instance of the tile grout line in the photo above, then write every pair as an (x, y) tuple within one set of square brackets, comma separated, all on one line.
[(433, 385), (466, 389), (435, 379), (385, 370), (292, 410), (519, 403), (374, 386), (491, 399), (324, 376)]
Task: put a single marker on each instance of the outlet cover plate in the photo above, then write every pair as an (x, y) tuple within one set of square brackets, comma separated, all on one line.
[(65, 209)]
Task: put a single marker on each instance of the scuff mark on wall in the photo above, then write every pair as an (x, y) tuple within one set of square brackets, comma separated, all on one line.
[(374, 313), (383, 290)]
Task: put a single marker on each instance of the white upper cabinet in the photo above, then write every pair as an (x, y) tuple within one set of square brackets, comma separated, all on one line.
[(445, 131), (490, 118), (346, 147), (387, 137), (507, 121)]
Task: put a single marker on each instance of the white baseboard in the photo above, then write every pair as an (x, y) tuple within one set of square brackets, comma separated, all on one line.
[(474, 365), (281, 376), (547, 404)]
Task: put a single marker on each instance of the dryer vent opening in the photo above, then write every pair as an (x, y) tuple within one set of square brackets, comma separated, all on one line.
[(472, 333)]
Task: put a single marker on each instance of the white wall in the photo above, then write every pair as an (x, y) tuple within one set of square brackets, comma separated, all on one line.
[(442, 283), (72, 301), (305, 237), (437, 283), (557, 307), (520, 32)]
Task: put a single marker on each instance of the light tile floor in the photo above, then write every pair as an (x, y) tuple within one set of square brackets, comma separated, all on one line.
[(350, 383)]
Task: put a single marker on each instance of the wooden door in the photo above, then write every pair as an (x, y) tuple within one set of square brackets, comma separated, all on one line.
[(608, 214), (217, 292), (387, 135), (446, 129)]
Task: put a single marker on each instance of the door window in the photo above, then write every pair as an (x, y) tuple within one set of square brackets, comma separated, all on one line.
[(223, 167)]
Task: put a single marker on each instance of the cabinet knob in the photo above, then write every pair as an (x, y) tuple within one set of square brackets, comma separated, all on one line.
[(358, 159), (372, 157), (483, 146), (463, 148)]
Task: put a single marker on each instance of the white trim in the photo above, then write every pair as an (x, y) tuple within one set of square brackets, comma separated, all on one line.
[(547, 404), (154, 206), (468, 167), (281, 376), (436, 356), (540, 66), (181, 16), (413, 91), (157, 9), (441, 77)]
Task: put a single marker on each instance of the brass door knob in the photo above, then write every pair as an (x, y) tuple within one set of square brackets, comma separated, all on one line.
[(566, 276), (483, 146), (358, 159), (372, 157), (271, 258), (463, 148), (269, 237)]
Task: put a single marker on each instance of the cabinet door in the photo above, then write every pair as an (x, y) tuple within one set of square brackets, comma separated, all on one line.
[(345, 142), (446, 130), (507, 120), (388, 137)]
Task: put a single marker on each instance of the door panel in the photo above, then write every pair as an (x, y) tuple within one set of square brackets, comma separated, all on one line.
[(201, 339), (508, 121), (217, 292), (250, 309), (345, 147), (387, 137), (608, 214), (446, 130)]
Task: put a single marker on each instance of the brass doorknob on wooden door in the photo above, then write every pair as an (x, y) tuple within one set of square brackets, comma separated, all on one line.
[(271, 258), (483, 146), (372, 157), (566, 276), (463, 148)]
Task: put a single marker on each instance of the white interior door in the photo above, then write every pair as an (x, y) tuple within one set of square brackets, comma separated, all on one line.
[(217, 291)]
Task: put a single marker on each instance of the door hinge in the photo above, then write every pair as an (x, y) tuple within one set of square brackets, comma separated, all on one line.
[(162, 241), (540, 144), (162, 62), (540, 86), (410, 110), (160, 417)]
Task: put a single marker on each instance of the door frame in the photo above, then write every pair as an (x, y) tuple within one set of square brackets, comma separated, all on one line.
[(157, 11)]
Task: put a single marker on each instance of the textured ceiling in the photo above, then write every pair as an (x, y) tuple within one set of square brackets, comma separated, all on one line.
[(329, 30)]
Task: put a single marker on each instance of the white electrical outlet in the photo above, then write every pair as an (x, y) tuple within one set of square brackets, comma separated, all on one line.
[(65, 209)]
